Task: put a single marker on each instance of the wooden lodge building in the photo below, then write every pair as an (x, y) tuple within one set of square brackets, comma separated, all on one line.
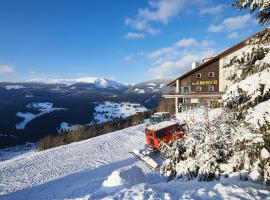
[(205, 82)]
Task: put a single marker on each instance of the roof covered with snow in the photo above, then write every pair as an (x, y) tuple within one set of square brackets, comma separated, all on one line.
[(162, 125)]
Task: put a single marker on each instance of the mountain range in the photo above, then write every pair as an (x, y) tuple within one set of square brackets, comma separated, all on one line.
[(36, 108)]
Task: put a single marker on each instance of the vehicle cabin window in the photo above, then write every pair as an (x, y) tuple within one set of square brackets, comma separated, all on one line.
[(198, 88), (167, 116), (211, 88), (198, 75), (161, 133), (211, 74)]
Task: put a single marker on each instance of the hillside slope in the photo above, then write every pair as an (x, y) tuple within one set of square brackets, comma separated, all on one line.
[(78, 170), (77, 98)]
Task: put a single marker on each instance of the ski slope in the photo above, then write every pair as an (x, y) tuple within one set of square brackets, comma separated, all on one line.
[(102, 168)]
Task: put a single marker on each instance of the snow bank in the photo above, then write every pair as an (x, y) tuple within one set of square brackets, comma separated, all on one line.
[(125, 177)]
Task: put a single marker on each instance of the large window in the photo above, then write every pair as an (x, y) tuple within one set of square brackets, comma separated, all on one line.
[(198, 75), (198, 88), (211, 88), (211, 74)]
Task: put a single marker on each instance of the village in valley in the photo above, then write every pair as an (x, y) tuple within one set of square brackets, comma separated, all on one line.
[(207, 138)]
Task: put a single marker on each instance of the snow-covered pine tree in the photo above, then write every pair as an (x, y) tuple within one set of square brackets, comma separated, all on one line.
[(249, 98), (198, 155)]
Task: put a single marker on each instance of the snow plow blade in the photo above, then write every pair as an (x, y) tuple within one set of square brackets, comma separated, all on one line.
[(146, 160)]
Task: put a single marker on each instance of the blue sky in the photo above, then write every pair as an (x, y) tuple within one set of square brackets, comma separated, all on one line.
[(125, 40)]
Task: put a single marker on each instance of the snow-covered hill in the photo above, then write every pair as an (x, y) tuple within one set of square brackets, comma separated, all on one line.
[(102, 168), (152, 86), (108, 110)]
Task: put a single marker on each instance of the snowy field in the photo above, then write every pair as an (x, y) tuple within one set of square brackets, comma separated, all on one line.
[(14, 87), (102, 168), (42, 108), (16, 152), (109, 110)]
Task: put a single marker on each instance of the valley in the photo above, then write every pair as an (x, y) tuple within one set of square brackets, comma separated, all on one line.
[(32, 110)]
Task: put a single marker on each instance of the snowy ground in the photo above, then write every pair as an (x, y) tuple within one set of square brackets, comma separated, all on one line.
[(102, 168), (42, 108), (16, 152), (14, 87), (109, 110)]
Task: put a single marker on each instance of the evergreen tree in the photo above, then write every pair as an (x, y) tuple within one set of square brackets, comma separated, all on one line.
[(240, 140)]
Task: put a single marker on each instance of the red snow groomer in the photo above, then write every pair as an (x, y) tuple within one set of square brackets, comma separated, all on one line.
[(164, 131)]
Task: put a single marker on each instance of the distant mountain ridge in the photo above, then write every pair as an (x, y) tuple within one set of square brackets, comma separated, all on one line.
[(84, 81), (151, 86), (76, 98)]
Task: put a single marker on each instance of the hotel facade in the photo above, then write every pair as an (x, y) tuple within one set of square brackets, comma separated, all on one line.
[(206, 82)]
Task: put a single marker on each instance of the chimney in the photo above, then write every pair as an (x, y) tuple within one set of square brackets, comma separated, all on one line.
[(194, 65)]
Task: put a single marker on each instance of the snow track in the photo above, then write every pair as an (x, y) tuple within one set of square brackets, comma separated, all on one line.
[(54, 163), (80, 170)]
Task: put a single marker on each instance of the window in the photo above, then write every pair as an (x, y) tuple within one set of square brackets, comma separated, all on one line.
[(198, 75), (198, 88), (211, 88), (211, 74), (185, 89)]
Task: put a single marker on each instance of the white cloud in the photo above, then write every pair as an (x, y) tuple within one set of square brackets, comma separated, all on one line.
[(233, 35), (160, 52), (173, 60), (186, 42), (137, 24), (171, 68), (134, 35), (5, 69), (152, 31), (232, 23), (128, 58), (159, 11), (212, 10)]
